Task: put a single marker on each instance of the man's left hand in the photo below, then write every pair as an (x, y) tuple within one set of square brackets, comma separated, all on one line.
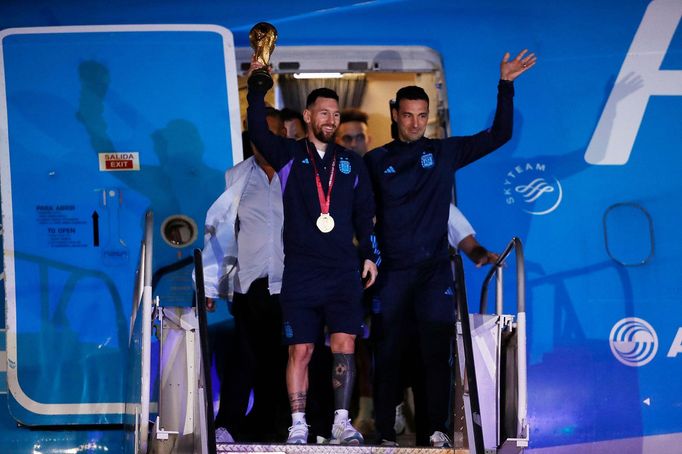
[(369, 272), (511, 69)]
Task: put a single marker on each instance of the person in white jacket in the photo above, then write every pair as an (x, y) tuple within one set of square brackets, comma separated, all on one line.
[(243, 263)]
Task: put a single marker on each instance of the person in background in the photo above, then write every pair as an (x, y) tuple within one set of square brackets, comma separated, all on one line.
[(353, 131), (293, 121), (243, 262)]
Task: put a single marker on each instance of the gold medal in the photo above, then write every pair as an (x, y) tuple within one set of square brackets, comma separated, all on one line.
[(325, 223)]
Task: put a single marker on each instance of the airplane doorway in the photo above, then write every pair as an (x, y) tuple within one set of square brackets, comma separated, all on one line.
[(380, 71), (365, 78)]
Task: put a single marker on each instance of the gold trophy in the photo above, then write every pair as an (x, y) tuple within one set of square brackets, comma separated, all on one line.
[(262, 38)]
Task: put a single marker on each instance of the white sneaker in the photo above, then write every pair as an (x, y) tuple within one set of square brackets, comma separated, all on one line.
[(223, 436), (388, 443), (400, 422), (440, 440), (344, 433), (298, 434)]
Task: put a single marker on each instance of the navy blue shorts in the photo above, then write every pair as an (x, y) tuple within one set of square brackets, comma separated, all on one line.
[(422, 297), (313, 298)]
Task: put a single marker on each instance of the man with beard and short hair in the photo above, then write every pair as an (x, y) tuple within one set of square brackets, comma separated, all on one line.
[(413, 178), (353, 133), (328, 200)]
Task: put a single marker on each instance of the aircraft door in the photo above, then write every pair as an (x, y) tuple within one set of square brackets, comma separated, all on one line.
[(99, 124)]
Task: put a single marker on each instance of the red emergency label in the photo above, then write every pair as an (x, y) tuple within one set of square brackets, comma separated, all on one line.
[(110, 162)]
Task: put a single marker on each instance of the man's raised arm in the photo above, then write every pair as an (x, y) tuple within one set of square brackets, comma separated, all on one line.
[(471, 148), (278, 151)]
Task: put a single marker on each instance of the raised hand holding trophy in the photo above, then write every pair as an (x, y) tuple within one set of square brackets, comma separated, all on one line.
[(262, 38)]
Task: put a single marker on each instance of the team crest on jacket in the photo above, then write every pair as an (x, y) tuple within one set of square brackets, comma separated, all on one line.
[(427, 160), (288, 330), (344, 166)]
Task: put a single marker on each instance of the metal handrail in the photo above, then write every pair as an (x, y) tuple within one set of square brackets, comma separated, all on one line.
[(469, 373), (515, 244), (200, 305), (143, 275), (138, 289), (164, 270), (146, 324), (522, 383)]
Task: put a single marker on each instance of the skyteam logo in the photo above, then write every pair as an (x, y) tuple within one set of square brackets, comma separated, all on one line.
[(633, 342), (532, 189), (344, 167), (427, 160)]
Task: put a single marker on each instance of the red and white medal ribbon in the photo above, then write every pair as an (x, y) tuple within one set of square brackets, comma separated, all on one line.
[(325, 222)]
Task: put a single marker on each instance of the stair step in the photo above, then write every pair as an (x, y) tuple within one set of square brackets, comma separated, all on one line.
[(328, 449)]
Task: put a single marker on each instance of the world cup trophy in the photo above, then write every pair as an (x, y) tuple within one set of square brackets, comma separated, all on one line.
[(262, 38)]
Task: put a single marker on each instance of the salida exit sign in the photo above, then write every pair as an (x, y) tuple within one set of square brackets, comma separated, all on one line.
[(112, 162)]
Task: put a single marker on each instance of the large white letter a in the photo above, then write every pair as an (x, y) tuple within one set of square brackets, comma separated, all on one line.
[(639, 78)]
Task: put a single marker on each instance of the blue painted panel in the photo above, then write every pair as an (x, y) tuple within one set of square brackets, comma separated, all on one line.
[(17, 440), (70, 97), (578, 390)]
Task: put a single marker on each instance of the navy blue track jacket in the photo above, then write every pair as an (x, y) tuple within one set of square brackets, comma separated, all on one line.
[(352, 201), (413, 186)]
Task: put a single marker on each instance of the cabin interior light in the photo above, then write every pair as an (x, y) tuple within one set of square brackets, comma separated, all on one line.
[(318, 75)]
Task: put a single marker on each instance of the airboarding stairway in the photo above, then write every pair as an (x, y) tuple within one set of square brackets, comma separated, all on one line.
[(490, 406), (491, 349)]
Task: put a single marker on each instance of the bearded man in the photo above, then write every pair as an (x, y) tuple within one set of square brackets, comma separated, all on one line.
[(328, 200)]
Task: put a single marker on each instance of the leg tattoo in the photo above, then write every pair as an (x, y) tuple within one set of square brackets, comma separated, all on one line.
[(297, 401), (343, 378)]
